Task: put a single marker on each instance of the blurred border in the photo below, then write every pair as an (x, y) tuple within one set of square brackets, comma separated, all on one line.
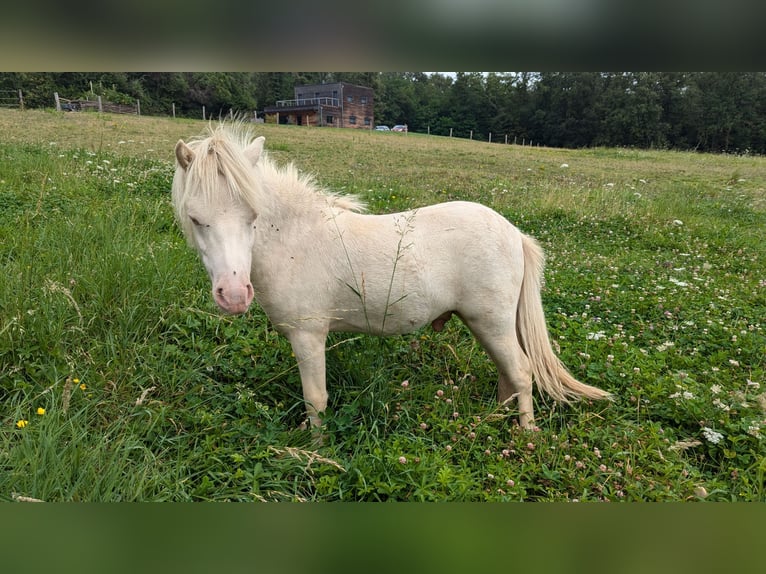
[(324, 538), (40, 35)]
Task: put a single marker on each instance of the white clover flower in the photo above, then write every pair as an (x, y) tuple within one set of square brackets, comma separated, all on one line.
[(665, 346), (711, 435), (717, 402)]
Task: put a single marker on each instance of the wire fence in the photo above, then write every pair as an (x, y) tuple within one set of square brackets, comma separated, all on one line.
[(97, 104), (11, 99)]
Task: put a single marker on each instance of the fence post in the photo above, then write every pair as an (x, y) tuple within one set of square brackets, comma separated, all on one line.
[(100, 105), (21, 101), (450, 132), (203, 112), (58, 102), (490, 137), (471, 136), (138, 107), (174, 110)]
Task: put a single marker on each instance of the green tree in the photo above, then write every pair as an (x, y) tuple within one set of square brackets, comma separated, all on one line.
[(160, 90), (221, 92), (468, 106), (631, 111), (395, 101), (567, 104), (508, 103), (431, 94), (727, 101)]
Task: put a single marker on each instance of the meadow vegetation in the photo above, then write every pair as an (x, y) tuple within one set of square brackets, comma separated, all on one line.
[(120, 381)]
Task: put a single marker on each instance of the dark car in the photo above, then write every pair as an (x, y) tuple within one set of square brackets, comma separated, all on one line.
[(399, 128)]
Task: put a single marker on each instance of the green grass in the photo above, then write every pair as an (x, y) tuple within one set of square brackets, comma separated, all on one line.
[(655, 291)]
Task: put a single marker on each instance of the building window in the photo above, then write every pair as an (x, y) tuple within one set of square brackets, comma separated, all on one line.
[(363, 99), (367, 121), (349, 99), (352, 120), (329, 119)]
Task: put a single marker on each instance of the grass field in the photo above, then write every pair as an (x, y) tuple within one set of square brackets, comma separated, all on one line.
[(119, 380)]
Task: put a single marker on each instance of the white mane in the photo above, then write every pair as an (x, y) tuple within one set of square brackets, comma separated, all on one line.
[(265, 187)]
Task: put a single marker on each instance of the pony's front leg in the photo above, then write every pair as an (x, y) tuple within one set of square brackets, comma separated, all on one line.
[(309, 349)]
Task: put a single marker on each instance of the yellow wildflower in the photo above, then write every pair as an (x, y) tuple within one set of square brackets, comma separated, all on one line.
[(83, 387), (40, 411), (22, 423)]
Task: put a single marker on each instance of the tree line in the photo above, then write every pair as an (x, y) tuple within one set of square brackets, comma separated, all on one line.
[(705, 111)]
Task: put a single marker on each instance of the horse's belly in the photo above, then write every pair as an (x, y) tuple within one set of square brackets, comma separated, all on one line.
[(396, 320)]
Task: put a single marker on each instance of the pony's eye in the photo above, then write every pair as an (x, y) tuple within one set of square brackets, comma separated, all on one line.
[(197, 222)]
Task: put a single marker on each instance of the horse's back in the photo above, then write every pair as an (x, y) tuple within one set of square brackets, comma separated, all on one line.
[(466, 217), (476, 248), (409, 268), (468, 234)]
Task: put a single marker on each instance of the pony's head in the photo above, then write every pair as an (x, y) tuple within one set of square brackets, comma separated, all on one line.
[(214, 191)]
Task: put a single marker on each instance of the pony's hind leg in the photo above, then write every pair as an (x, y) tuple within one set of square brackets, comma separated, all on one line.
[(514, 369)]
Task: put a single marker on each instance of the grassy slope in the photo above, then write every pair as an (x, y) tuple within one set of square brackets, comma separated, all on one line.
[(656, 290)]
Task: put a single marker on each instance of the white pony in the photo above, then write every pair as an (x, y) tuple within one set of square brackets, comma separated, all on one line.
[(316, 264)]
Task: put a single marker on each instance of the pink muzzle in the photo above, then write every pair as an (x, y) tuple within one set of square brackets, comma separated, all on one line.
[(232, 296)]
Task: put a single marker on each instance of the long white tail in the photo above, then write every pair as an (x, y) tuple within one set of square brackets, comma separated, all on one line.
[(549, 372)]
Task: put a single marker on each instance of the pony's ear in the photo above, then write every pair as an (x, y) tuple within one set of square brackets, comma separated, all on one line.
[(184, 154), (255, 149)]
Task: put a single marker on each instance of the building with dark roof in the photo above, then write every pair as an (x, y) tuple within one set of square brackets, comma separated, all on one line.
[(339, 105)]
